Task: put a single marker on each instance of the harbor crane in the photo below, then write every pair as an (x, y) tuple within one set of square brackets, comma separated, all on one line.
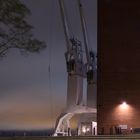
[(91, 61), (77, 71)]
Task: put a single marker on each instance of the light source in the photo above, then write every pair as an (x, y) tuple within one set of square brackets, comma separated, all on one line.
[(88, 129), (84, 129), (124, 105)]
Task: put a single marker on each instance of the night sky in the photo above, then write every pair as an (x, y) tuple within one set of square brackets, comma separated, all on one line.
[(31, 96)]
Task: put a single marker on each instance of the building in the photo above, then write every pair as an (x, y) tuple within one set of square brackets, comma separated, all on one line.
[(118, 97)]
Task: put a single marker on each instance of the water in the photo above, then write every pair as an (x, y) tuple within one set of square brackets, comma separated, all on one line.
[(14, 133)]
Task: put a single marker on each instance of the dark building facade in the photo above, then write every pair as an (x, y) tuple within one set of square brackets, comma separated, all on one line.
[(118, 66)]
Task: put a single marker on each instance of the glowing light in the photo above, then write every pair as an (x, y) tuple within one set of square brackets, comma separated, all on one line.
[(123, 111), (124, 105), (84, 129), (88, 129)]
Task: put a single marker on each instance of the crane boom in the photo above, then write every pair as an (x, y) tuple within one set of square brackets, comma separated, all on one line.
[(89, 54), (65, 24), (83, 23)]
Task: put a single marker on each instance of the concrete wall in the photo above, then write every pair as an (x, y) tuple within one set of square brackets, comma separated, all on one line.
[(118, 64)]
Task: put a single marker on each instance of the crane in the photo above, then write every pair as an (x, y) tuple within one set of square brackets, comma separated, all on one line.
[(90, 74), (74, 62), (76, 73), (91, 65)]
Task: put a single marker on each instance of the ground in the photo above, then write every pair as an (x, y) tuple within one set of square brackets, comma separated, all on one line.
[(107, 137)]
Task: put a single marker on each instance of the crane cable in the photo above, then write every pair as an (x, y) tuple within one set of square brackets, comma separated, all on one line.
[(50, 31)]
